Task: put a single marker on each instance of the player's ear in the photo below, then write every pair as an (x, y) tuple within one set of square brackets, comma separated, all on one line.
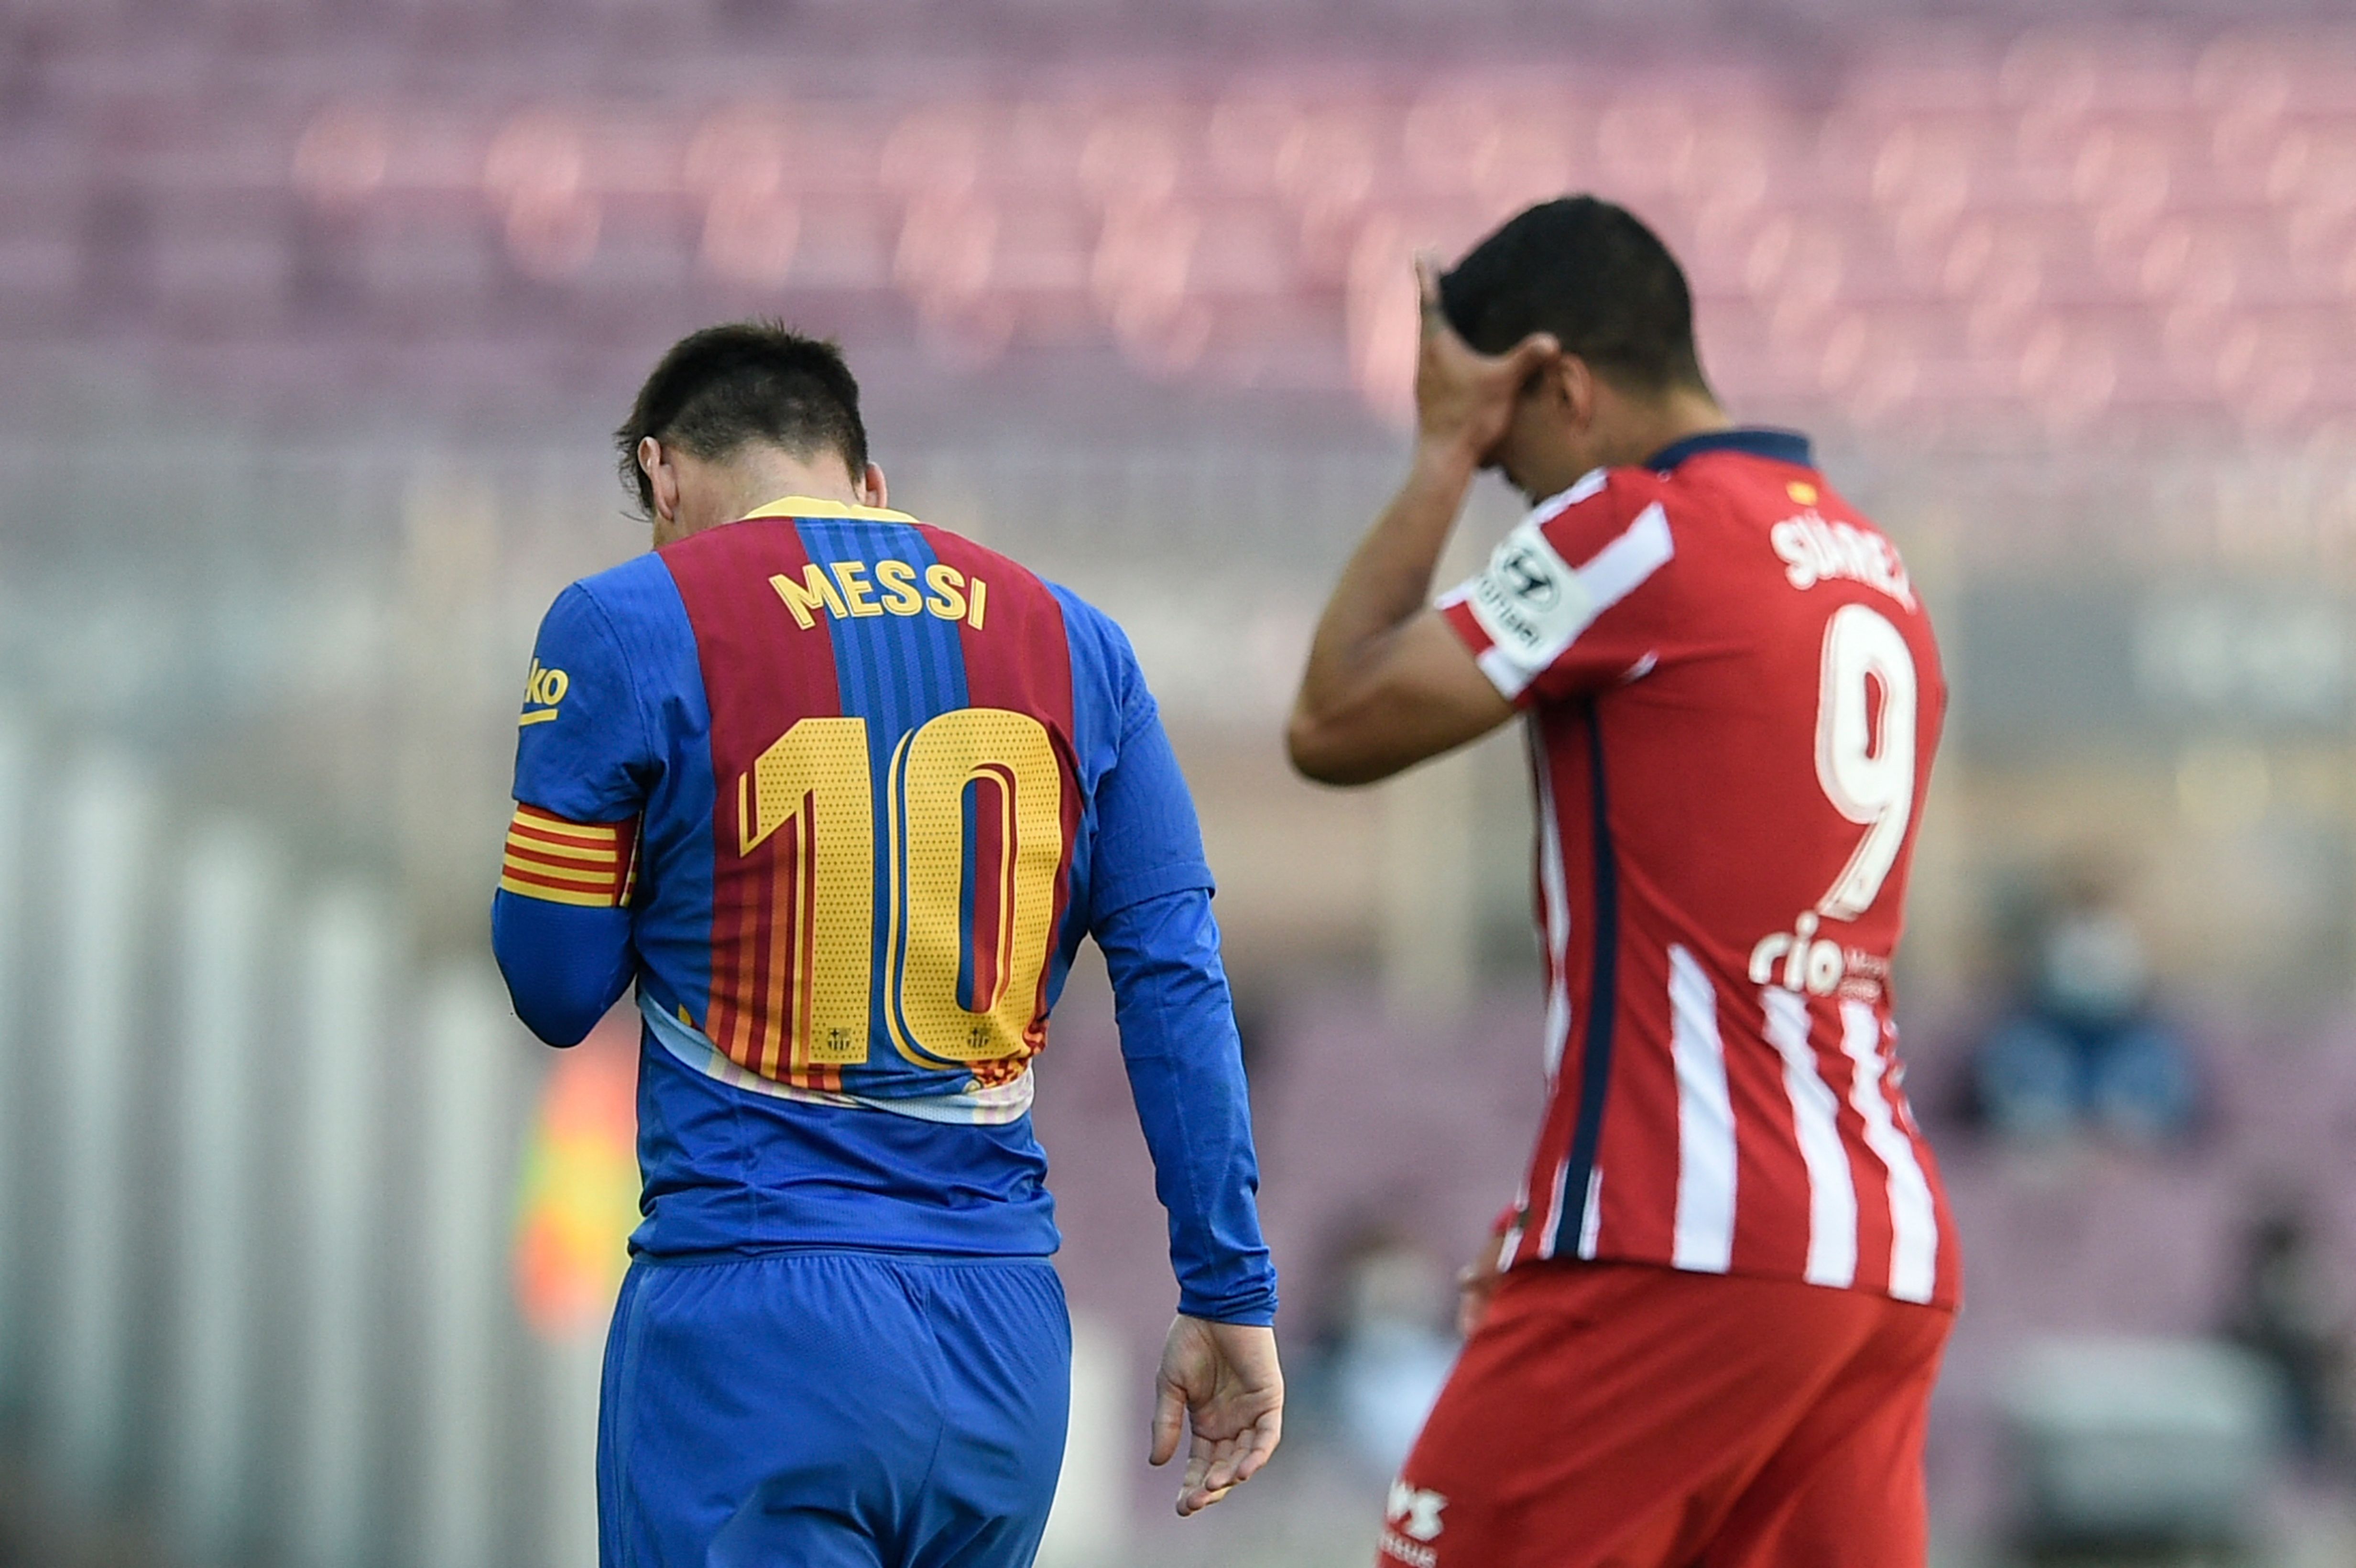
[(872, 490), (662, 478), (1571, 385)]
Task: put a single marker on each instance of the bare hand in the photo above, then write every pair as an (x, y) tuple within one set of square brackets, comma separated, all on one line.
[(1476, 1287), (1463, 399), (1221, 1380)]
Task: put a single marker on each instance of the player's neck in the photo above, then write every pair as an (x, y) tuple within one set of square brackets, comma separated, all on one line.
[(1658, 423), (1625, 434), (760, 477)]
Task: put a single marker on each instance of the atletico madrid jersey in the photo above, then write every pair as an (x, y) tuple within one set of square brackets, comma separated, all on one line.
[(841, 794), (1733, 699)]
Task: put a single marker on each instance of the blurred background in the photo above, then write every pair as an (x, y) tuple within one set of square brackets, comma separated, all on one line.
[(314, 314)]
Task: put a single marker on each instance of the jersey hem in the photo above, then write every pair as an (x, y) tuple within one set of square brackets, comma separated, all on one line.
[(996, 1105)]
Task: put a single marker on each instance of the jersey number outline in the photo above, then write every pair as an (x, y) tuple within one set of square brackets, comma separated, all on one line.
[(1865, 754), (814, 783)]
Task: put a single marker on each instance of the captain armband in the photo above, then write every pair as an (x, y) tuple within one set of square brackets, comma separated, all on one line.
[(594, 865)]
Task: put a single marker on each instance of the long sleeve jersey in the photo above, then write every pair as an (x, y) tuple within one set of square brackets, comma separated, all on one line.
[(840, 793)]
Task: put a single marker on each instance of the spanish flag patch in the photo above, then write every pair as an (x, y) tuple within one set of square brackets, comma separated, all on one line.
[(592, 864)]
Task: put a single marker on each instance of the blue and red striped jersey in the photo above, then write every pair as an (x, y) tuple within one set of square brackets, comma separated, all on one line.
[(846, 791)]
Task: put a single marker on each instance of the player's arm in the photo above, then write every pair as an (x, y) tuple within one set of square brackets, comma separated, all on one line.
[(560, 925), (1150, 910), (561, 919), (1389, 683)]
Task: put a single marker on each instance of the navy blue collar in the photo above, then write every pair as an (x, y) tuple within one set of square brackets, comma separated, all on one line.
[(1781, 446)]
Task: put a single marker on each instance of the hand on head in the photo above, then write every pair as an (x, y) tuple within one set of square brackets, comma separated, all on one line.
[(1464, 399)]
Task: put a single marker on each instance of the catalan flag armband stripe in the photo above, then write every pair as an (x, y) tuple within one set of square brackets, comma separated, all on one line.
[(591, 864)]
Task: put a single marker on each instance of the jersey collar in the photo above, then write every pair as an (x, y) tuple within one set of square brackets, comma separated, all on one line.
[(804, 507), (1754, 440)]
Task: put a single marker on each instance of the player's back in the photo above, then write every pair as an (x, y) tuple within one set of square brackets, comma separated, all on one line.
[(1778, 746), (868, 751), (839, 794), (1736, 698)]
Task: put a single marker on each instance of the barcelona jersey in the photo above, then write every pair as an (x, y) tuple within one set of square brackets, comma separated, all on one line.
[(843, 793)]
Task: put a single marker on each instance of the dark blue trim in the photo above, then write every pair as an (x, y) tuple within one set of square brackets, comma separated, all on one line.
[(1781, 446), (1595, 1052)]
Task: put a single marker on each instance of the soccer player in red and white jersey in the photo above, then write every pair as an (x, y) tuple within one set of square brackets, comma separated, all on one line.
[(1705, 1332)]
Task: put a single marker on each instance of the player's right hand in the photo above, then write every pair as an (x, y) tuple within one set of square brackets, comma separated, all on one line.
[(1464, 399), (1476, 1285), (1476, 1282), (1222, 1380)]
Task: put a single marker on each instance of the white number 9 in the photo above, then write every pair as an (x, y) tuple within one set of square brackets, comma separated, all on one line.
[(1865, 755)]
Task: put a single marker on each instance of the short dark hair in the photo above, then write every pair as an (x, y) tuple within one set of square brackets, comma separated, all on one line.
[(1590, 274), (746, 381)]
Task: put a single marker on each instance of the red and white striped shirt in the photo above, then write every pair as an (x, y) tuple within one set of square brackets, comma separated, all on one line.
[(1734, 697)]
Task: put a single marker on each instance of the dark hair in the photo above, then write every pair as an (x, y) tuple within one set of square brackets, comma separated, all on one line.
[(1594, 276), (748, 380)]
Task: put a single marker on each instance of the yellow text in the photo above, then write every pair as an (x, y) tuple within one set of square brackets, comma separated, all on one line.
[(849, 590), (547, 686)]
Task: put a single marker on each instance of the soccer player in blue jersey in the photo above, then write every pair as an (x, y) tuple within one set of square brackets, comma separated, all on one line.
[(839, 794)]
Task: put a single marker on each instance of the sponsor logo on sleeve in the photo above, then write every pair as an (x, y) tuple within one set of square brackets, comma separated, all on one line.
[(1531, 602), (543, 694), (1527, 578)]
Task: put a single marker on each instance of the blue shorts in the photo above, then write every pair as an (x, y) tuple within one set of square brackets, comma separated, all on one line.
[(832, 1409)]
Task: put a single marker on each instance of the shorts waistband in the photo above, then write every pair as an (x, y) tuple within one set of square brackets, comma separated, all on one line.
[(837, 1249)]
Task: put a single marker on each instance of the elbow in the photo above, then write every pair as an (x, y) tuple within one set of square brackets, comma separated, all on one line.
[(563, 966), (555, 1013), (1325, 751), (551, 1000), (560, 1024), (1311, 749)]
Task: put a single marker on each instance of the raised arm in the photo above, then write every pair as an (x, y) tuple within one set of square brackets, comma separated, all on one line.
[(1388, 684), (1150, 910)]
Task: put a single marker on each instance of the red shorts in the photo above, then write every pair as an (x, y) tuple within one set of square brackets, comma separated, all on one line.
[(1620, 1415)]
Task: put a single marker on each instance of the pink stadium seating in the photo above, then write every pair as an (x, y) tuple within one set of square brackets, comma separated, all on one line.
[(2145, 203)]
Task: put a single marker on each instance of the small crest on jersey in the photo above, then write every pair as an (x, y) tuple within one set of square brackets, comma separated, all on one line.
[(1803, 492)]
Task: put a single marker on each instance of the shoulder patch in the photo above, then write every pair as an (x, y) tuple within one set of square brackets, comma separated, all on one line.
[(1529, 600), (1533, 605)]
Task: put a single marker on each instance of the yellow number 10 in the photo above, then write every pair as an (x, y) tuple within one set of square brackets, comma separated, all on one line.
[(814, 783)]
